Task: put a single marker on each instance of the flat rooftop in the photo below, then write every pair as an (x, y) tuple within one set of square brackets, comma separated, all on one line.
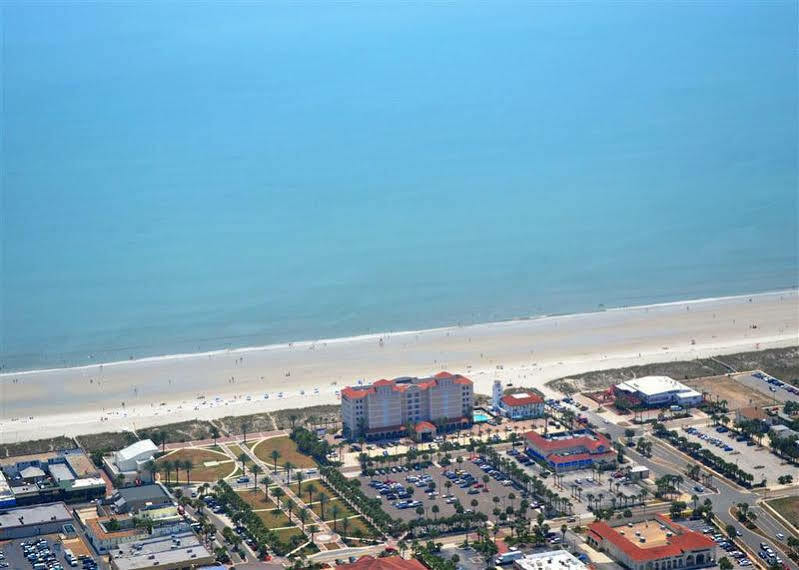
[(37, 514), (160, 552), (552, 560), (651, 531)]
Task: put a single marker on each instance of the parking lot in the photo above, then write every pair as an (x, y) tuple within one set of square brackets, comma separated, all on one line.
[(40, 553), (725, 546), (759, 461), (463, 482), (769, 386)]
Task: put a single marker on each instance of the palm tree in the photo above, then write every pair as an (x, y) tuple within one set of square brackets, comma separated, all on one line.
[(335, 511), (177, 465), (345, 525), (288, 466), (435, 510), (245, 425), (311, 488), (255, 469), (289, 506), (188, 465), (299, 476), (277, 493), (275, 455), (322, 502), (243, 458), (303, 516)]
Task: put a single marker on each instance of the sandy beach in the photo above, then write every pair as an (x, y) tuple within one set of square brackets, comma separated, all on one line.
[(141, 393)]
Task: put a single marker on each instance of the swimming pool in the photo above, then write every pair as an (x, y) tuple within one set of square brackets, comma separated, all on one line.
[(480, 417)]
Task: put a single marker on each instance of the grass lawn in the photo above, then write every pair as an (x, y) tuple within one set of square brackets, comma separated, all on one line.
[(357, 523), (237, 451), (287, 449), (343, 509), (321, 487), (285, 534), (256, 499), (273, 518), (332, 546), (788, 507), (199, 457)]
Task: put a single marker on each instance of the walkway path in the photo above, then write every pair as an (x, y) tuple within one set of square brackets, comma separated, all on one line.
[(290, 494)]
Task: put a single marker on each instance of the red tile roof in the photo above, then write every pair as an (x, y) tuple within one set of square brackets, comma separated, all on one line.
[(592, 444), (387, 563), (519, 400), (576, 457), (683, 541), (421, 426), (355, 393)]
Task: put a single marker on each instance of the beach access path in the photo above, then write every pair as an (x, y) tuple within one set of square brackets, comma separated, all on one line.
[(89, 399)]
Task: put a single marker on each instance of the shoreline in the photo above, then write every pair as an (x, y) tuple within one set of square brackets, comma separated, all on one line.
[(374, 336), (528, 352)]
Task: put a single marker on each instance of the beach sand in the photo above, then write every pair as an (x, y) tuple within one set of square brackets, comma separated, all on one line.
[(89, 399)]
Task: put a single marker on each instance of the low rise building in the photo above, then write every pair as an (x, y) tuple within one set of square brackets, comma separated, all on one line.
[(6, 495), (553, 560), (24, 522), (658, 391), (131, 462), (66, 475), (521, 405), (781, 432), (107, 533), (653, 544), (142, 497), (173, 552), (567, 451), (386, 563)]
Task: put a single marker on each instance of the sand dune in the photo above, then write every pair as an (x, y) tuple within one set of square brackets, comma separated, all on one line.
[(528, 352)]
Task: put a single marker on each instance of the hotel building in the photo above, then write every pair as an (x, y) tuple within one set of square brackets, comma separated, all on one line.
[(654, 544), (387, 408), (522, 405), (566, 451)]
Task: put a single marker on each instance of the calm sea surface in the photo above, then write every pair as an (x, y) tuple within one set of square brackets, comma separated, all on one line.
[(180, 176)]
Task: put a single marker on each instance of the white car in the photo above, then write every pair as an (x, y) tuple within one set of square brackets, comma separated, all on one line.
[(780, 536)]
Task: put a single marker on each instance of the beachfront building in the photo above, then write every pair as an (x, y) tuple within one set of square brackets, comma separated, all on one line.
[(140, 497), (653, 544), (657, 391), (521, 405), (389, 408), (131, 462), (108, 533), (65, 475), (567, 451)]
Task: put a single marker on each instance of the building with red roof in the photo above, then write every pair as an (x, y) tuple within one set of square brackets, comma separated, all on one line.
[(522, 405), (385, 408), (386, 563), (566, 451), (653, 544)]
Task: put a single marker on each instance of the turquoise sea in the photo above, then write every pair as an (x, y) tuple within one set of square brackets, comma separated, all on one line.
[(189, 176)]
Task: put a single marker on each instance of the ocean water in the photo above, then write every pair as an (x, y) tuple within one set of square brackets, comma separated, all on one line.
[(180, 177)]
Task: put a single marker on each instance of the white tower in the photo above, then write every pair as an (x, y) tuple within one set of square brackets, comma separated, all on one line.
[(497, 394)]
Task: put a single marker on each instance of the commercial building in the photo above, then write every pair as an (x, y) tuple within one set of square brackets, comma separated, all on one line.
[(134, 499), (23, 522), (567, 451), (553, 560), (387, 408), (653, 544), (658, 391), (67, 475), (521, 405), (166, 553), (6, 495), (781, 432), (107, 533), (130, 462), (387, 563)]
